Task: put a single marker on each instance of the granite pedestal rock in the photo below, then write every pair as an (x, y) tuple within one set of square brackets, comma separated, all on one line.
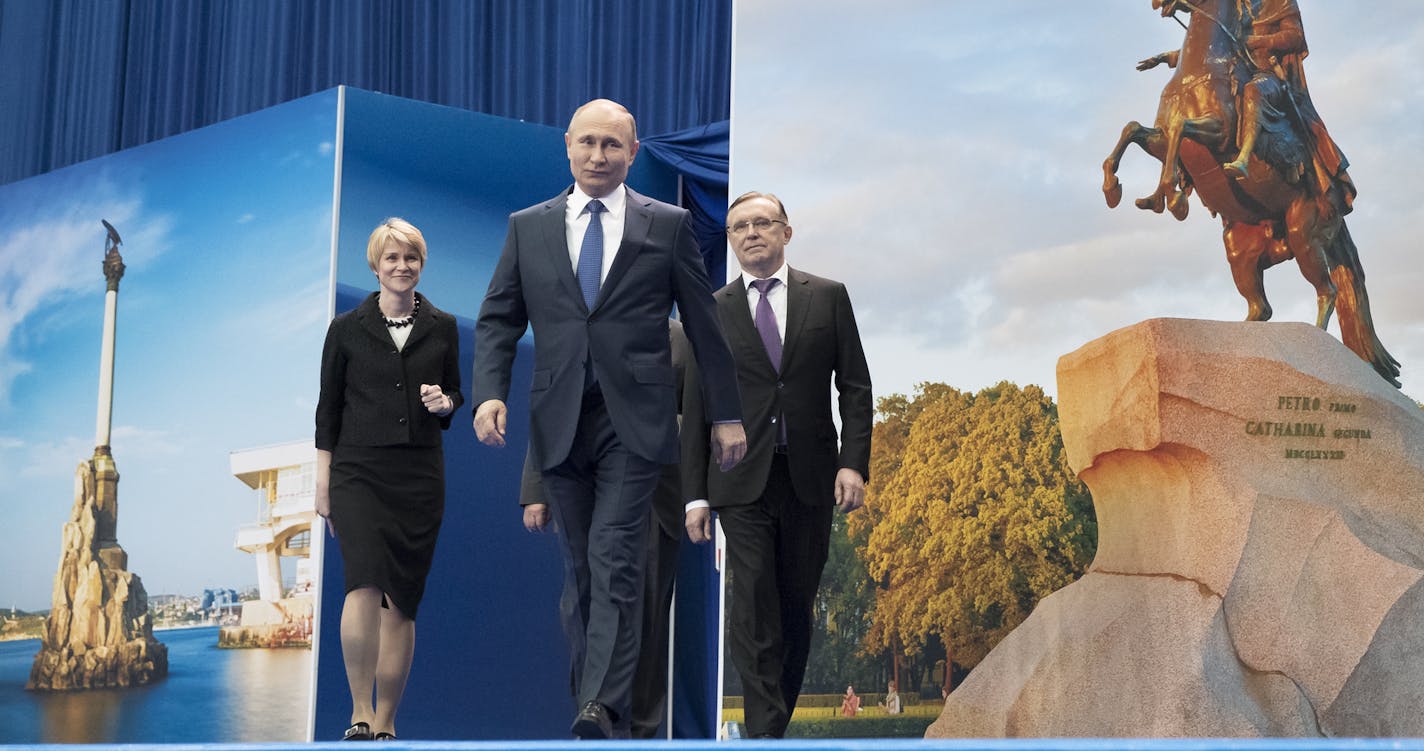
[(1260, 503), (99, 633)]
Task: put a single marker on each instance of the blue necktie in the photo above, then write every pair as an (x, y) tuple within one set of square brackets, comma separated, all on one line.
[(590, 263)]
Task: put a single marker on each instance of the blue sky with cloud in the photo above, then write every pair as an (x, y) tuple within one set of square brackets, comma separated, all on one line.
[(221, 312), (944, 159)]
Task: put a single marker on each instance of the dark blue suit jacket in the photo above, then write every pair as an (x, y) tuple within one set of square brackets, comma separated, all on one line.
[(626, 333)]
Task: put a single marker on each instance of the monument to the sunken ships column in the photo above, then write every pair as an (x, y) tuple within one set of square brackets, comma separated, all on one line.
[(99, 633)]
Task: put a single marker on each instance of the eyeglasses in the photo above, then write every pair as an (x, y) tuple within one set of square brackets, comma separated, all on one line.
[(762, 224)]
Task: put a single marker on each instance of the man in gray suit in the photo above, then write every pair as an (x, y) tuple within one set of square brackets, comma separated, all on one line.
[(595, 271), (793, 335)]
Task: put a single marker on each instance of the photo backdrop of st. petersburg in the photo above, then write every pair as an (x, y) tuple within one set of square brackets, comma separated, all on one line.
[(953, 182), (158, 577)]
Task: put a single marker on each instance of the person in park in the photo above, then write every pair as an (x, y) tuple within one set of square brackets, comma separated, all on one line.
[(891, 702), (850, 703)]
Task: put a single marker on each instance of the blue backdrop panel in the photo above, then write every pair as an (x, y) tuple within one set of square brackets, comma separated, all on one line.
[(490, 659)]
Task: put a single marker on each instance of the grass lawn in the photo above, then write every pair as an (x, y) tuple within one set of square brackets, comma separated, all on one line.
[(871, 722)]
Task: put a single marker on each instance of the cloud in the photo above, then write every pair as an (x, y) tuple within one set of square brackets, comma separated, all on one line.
[(952, 177), (55, 251), (57, 455), (53, 458), (146, 442)]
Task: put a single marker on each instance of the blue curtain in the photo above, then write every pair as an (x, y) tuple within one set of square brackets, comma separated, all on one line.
[(701, 156), (81, 78)]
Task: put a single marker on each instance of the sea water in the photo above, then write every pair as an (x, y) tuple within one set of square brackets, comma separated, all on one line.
[(210, 695)]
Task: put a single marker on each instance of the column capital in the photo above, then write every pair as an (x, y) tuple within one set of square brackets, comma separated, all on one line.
[(113, 267)]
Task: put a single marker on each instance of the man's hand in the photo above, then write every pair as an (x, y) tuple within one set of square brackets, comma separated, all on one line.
[(699, 525), (489, 422), (850, 490), (729, 444), (536, 517)]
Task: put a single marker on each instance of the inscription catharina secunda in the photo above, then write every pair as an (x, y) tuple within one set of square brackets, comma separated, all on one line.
[(1319, 425)]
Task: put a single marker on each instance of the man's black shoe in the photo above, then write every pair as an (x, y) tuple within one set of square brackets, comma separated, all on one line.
[(592, 722)]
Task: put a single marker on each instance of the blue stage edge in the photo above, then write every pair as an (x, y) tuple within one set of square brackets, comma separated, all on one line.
[(843, 744)]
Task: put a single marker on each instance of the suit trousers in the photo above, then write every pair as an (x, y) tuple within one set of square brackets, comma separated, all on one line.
[(776, 549), (601, 496), (650, 682)]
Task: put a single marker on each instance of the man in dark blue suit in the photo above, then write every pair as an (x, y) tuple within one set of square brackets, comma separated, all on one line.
[(595, 271)]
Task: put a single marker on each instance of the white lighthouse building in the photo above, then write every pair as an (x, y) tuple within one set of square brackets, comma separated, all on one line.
[(283, 477)]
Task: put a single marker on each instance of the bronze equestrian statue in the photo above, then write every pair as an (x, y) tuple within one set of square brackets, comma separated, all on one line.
[(1236, 125)]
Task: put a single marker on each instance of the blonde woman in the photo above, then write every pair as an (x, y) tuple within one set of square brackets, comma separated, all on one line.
[(390, 380)]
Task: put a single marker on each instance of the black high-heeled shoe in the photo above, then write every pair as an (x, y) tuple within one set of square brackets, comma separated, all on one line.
[(358, 732)]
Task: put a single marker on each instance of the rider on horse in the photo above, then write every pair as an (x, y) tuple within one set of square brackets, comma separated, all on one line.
[(1277, 97)]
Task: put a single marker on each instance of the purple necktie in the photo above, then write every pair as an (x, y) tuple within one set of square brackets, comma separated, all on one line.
[(766, 322)]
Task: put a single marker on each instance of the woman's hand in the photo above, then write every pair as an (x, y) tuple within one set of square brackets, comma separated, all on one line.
[(435, 400), (323, 507), (323, 488)]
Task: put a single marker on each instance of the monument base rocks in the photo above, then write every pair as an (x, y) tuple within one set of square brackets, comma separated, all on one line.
[(1260, 502), (99, 633)]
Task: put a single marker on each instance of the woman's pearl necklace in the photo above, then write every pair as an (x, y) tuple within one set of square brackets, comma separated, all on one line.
[(400, 323)]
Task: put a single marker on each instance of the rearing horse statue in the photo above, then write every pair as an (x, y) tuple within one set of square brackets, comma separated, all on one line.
[(1236, 126)]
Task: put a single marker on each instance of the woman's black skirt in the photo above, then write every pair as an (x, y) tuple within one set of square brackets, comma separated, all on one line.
[(386, 506)]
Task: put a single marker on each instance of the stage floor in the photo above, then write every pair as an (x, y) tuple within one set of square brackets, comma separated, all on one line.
[(845, 744)]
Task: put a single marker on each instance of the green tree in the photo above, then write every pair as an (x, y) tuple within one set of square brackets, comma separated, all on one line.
[(843, 604), (972, 517), (847, 592)]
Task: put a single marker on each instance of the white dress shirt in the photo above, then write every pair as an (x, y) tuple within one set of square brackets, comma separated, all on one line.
[(777, 297), (576, 224)]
